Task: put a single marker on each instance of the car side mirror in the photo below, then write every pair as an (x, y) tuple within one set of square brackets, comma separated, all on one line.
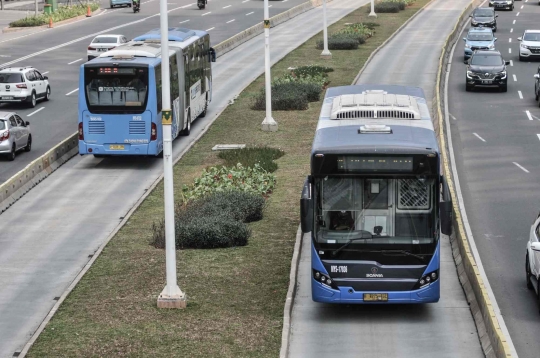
[(470, 15), (507, 62), (306, 207), (519, 38), (494, 39), (27, 123), (212, 54), (535, 246), (496, 15), (537, 76), (464, 39), (45, 77), (445, 208)]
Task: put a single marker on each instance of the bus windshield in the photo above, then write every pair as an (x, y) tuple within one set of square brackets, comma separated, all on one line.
[(375, 210), (117, 89)]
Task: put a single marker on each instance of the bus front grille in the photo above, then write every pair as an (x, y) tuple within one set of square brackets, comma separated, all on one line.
[(97, 127), (137, 127)]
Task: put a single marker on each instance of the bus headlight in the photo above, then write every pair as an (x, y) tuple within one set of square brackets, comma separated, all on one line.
[(324, 279), (427, 279)]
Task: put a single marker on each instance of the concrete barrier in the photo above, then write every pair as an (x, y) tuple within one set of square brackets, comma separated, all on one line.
[(18, 185), (492, 338)]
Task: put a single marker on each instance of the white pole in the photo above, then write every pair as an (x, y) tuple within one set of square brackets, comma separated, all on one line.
[(326, 53), (269, 124), (372, 13), (171, 296), (36, 7)]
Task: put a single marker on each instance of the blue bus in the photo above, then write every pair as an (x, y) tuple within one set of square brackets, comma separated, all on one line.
[(120, 95), (375, 201)]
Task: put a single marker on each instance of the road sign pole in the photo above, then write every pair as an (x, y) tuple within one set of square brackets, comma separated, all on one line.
[(269, 124), (326, 53), (372, 13), (171, 296)]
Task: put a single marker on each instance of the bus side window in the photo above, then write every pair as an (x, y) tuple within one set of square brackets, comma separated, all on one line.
[(157, 70)]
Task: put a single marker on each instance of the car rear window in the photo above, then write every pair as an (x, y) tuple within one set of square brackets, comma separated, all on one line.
[(11, 78), (104, 40), (3, 124)]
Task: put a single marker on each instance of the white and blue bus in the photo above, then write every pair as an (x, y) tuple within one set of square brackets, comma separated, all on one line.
[(120, 98), (373, 201)]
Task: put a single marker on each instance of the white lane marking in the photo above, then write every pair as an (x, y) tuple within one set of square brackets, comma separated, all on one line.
[(515, 78), (513, 23), (511, 63), (477, 136), (520, 95), (228, 22), (520, 167), (245, 1), (270, 6), (31, 114), (188, 5), (522, 6), (80, 38), (44, 73), (250, 13), (510, 39), (538, 135), (512, 29), (227, 6), (206, 13), (72, 62), (75, 90), (517, 14), (210, 29), (452, 116), (181, 22), (509, 50), (529, 115)]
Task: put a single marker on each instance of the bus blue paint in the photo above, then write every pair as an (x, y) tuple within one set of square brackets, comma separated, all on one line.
[(120, 93), (372, 202)]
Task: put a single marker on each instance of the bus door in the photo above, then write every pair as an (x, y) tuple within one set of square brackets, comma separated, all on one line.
[(377, 215)]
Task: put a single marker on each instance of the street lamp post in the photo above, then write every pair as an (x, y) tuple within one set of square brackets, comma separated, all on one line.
[(326, 53), (171, 296), (269, 124), (372, 13)]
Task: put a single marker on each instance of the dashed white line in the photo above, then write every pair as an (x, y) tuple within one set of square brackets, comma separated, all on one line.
[(520, 95), (512, 30), (245, 1), (515, 78), (510, 39), (529, 115), (181, 22), (452, 116), (511, 63), (206, 13), (72, 62), (188, 5), (270, 6), (227, 6), (513, 23), (31, 114), (210, 29), (75, 90), (517, 14), (538, 136), (44, 73), (522, 6), (520, 167), (228, 22), (509, 50), (250, 13), (477, 136)]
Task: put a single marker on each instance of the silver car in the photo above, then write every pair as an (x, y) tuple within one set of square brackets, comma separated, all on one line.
[(15, 135)]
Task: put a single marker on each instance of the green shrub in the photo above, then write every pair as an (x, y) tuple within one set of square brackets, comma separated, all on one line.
[(211, 232), (371, 25), (285, 97), (63, 13), (248, 157), (358, 30), (311, 71), (386, 7), (339, 42)]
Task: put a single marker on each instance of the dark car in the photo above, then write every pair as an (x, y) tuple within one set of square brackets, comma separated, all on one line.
[(502, 4), (484, 16), (486, 69)]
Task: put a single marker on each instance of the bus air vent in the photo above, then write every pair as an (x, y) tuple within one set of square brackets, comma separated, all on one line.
[(137, 127), (375, 129), (96, 127), (373, 105)]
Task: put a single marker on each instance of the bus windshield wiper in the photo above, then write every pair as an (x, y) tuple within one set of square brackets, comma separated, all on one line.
[(406, 253), (362, 237)]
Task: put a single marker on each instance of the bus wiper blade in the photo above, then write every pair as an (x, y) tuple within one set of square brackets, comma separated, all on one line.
[(406, 253), (362, 237)]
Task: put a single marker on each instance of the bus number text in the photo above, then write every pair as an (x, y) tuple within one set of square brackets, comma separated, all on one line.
[(338, 269)]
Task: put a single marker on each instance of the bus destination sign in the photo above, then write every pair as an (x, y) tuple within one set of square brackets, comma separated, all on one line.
[(378, 164)]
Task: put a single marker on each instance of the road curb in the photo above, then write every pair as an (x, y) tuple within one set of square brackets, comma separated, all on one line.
[(8, 29), (494, 342)]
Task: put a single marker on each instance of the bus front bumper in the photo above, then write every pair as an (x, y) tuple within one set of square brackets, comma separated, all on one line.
[(119, 149), (347, 295)]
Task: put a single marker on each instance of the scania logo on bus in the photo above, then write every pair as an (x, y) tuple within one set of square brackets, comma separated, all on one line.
[(374, 273)]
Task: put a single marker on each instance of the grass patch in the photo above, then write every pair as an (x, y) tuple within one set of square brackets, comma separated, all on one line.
[(62, 13), (235, 295), (248, 157)]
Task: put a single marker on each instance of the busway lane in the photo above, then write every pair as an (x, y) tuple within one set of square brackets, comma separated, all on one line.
[(415, 331), (46, 237), (59, 118), (499, 176)]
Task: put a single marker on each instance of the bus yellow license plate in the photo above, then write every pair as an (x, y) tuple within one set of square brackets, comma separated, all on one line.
[(116, 147), (380, 297)]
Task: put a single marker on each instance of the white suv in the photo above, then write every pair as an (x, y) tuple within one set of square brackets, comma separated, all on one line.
[(23, 84), (532, 259), (529, 45)]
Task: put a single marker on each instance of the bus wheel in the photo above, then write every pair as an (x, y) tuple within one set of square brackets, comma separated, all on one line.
[(185, 132), (203, 113)]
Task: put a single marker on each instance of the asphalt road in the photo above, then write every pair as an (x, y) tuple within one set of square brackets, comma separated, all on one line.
[(60, 51), (445, 329), (496, 147), (46, 237)]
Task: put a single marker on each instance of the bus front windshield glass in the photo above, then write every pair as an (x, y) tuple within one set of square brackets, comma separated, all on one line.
[(375, 210), (117, 89)]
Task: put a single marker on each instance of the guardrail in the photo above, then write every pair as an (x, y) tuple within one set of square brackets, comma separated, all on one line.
[(18, 185), (491, 336)]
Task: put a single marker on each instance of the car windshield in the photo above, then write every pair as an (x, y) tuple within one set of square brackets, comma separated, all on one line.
[(531, 36), (479, 37), (399, 210), (11, 78), (3, 124), (105, 40), (483, 13), (486, 60)]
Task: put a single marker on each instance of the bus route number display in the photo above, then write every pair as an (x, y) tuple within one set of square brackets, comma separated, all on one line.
[(379, 164)]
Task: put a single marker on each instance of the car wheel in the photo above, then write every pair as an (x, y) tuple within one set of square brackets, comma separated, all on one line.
[(48, 94), (112, 6), (28, 144), (32, 102), (11, 155), (185, 132), (528, 273), (504, 88), (468, 88), (535, 94), (495, 29), (521, 58)]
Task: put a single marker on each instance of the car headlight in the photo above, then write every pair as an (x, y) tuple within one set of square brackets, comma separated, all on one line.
[(470, 74), (502, 74), (509, 2), (524, 46), (467, 45), (491, 46), (474, 22)]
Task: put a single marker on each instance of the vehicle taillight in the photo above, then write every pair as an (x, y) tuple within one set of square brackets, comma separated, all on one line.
[(91, 48), (81, 133), (153, 132), (4, 136), (22, 86)]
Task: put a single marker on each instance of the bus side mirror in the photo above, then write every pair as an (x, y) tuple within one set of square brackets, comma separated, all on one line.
[(212, 54), (306, 207), (445, 208)]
